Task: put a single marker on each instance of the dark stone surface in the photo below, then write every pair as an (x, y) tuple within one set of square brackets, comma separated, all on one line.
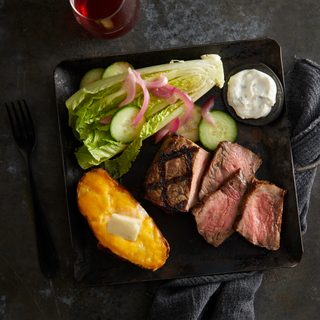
[(35, 36)]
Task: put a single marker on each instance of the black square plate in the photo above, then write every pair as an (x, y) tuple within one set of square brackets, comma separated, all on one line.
[(190, 255)]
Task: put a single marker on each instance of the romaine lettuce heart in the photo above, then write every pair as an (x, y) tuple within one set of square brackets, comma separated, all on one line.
[(101, 99)]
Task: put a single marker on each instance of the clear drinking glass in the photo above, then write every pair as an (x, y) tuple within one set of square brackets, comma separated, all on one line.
[(106, 19)]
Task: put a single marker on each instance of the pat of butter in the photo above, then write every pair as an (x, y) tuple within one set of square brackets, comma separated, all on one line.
[(124, 227)]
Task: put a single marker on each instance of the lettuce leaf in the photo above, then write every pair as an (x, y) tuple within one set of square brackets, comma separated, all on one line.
[(119, 166), (161, 119), (98, 147)]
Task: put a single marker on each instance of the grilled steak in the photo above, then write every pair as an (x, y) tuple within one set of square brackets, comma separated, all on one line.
[(228, 158), (173, 179), (260, 214), (216, 213)]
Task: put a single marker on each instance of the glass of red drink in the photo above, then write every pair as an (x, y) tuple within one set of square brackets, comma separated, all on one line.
[(106, 19)]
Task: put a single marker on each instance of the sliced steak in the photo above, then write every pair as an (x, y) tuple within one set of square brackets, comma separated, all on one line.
[(228, 158), (260, 214), (216, 213), (173, 179)]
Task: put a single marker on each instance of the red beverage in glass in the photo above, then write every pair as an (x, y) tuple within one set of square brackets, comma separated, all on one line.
[(106, 19)]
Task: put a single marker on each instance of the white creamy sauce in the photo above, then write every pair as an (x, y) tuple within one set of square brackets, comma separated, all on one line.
[(251, 93)]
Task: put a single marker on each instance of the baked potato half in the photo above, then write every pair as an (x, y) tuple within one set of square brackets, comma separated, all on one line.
[(104, 202)]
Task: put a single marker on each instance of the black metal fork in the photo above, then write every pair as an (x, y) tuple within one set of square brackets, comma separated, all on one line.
[(26, 139)]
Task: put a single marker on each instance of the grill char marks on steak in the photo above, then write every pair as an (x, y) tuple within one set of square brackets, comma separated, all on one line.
[(217, 212), (260, 214), (173, 179), (228, 158)]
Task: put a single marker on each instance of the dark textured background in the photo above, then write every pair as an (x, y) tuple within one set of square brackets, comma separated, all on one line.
[(35, 36)]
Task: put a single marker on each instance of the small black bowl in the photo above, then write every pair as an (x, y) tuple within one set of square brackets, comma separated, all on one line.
[(275, 110)]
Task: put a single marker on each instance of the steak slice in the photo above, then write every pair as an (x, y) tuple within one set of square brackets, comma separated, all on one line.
[(228, 158), (260, 214), (173, 179), (217, 212)]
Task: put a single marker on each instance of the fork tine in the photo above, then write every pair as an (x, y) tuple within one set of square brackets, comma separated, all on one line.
[(27, 120), (18, 119), (14, 120)]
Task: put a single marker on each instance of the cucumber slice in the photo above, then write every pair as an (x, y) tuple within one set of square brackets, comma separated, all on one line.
[(116, 68), (190, 129), (120, 128), (225, 130), (91, 76)]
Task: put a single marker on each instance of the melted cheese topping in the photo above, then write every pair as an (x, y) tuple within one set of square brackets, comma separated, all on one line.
[(100, 196), (251, 93)]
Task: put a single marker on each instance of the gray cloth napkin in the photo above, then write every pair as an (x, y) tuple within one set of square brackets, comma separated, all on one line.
[(231, 296), (303, 104)]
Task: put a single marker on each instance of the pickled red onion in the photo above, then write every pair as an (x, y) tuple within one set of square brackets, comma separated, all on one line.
[(171, 127), (129, 85), (164, 92), (146, 99), (171, 94), (160, 88), (157, 83), (187, 102), (106, 120), (206, 111)]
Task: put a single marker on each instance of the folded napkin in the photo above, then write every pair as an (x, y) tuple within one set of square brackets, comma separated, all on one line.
[(303, 105), (231, 296)]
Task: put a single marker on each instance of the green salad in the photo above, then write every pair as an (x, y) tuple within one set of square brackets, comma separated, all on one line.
[(94, 109)]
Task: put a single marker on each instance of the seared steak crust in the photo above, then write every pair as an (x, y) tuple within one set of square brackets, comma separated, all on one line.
[(217, 212), (228, 158), (173, 179), (260, 214)]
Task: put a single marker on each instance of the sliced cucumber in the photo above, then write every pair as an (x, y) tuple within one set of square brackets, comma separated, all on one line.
[(190, 129), (116, 68), (91, 76), (120, 128), (225, 130)]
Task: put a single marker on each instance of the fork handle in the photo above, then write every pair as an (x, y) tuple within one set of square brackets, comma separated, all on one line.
[(46, 252)]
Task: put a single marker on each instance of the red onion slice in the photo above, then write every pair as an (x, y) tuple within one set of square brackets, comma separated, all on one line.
[(146, 99), (157, 83), (160, 134), (106, 120), (187, 102), (160, 88), (172, 99), (206, 111), (164, 92), (171, 127), (171, 94), (129, 85)]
